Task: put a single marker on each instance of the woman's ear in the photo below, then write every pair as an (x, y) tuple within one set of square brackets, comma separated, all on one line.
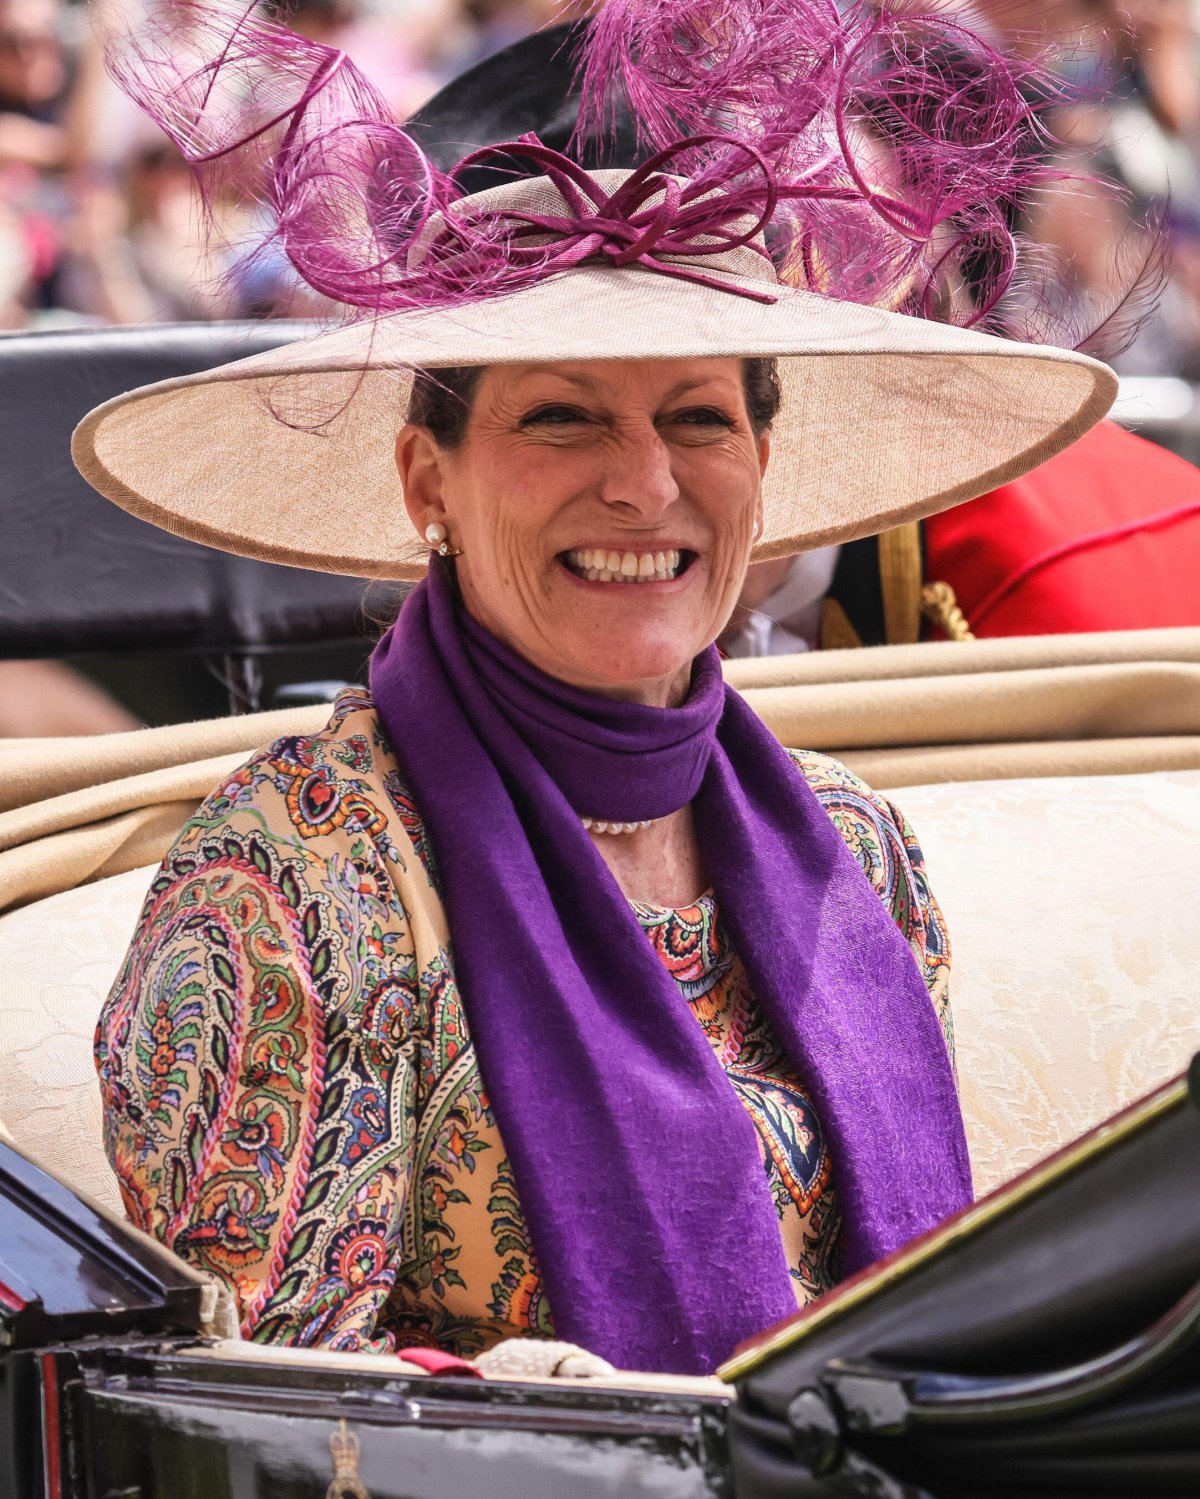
[(420, 464)]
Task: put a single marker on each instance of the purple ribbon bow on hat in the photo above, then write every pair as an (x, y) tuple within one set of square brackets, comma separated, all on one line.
[(653, 219)]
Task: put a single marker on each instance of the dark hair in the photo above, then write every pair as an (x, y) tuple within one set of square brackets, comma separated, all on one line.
[(441, 399)]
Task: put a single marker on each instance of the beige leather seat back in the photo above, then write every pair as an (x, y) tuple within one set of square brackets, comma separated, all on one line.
[(1073, 905)]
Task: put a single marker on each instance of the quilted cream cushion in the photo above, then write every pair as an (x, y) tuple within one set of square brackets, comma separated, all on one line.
[(1072, 903), (1074, 913), (58, 959)]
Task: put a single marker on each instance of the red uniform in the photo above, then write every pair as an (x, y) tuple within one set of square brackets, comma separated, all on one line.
[(1106, 536)]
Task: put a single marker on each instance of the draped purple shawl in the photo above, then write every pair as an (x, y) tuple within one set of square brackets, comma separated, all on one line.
[(638, 1168)]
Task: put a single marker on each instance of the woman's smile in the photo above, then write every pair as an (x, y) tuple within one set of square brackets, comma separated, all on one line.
[(605, 564)]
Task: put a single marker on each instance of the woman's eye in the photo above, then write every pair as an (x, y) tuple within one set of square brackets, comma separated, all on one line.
[(703, 416), (552, 416)]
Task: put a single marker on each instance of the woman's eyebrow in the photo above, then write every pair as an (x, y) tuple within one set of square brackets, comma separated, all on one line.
[(585, 382), (591, 384), (686, 387)]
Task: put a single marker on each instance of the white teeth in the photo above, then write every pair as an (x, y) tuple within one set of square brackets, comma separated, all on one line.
[(599, 566)]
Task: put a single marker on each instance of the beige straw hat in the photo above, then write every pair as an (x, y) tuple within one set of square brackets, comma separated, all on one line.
[(885, 418)]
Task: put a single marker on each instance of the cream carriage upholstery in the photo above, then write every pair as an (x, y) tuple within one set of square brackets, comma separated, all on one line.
[(1055, 787)]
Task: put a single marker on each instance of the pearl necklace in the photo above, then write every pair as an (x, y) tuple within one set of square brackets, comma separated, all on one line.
[(594, 825)]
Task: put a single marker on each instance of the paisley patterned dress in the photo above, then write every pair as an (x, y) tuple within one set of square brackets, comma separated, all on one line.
[(291, 1095)]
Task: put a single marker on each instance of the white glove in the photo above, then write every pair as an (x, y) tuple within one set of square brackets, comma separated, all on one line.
[(540, 1358)]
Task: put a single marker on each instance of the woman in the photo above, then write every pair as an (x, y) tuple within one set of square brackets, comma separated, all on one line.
[(544, 991)]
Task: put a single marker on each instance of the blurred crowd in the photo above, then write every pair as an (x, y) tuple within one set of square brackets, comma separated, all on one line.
[(98, 212), (98, 218)]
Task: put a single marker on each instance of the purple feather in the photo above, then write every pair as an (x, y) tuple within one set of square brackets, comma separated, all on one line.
[(904, 146), (892, 149)]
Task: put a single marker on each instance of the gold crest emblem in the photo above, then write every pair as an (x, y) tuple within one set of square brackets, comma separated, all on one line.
[(346, 1482)]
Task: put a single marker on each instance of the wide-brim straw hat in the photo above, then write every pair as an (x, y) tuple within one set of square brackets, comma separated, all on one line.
[(885, 418)]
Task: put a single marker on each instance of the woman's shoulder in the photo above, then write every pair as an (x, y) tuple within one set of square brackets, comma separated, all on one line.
[(876, 831), (312, 775), (300, 850), (318, 792), (835, 784), (317, 810), (883, 841)]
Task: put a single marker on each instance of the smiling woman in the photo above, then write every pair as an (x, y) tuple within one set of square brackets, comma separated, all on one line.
[(562, 482), (544, 992)]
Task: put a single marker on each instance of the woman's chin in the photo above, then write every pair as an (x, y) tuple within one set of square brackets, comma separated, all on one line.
[(623, 667)]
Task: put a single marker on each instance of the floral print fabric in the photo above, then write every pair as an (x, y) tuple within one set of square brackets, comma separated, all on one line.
[(291, 1095)]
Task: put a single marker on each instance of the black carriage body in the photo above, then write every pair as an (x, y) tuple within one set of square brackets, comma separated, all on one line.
[(108, 1388), (194, 1424), (1044, 1343)]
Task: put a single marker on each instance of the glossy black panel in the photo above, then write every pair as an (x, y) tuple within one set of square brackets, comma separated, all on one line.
[(20, 1428), (77, 574), (197, 1429), (1053, 1348), (1083, 1266), (70, 1272)]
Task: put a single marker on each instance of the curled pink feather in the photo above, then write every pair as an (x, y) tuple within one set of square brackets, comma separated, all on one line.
[(895, 146)]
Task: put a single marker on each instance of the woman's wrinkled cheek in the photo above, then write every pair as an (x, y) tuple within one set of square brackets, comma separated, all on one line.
[(502, 573), (731, 555)]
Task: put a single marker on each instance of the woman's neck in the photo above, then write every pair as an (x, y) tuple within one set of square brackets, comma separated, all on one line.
[(657, 866)]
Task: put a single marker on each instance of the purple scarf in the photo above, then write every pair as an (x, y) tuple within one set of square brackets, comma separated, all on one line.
[(638, 1168)]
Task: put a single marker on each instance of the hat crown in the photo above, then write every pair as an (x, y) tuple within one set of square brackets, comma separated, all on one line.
[(522, 202)]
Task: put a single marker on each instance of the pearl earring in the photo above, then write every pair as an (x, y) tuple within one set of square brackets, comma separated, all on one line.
[(757, 530), (435, 535)]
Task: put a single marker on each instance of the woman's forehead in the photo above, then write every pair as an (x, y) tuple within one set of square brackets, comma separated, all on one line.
[(662, 377)]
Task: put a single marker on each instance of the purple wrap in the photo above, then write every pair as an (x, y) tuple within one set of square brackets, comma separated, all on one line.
[(638, 1169)]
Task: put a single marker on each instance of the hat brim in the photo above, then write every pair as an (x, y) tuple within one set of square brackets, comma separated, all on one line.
[(288, 455)]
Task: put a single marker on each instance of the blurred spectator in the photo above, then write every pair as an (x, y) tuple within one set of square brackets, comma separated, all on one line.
[(779, 609), (483, 27), (17, 267), (397, 44), (132, 250), (1134, 73), (47, 699), (33, 84)]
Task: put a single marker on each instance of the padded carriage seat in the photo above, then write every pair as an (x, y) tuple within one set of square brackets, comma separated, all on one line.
[(1072, 907)]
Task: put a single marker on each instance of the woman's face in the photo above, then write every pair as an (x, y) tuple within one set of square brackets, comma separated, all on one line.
[(605, 512)]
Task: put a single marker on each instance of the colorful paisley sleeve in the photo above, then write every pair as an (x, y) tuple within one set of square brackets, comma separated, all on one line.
[(256, 1054), (883, 841)]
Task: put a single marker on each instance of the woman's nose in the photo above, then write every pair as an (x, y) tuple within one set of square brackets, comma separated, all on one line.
[(639, 473)]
